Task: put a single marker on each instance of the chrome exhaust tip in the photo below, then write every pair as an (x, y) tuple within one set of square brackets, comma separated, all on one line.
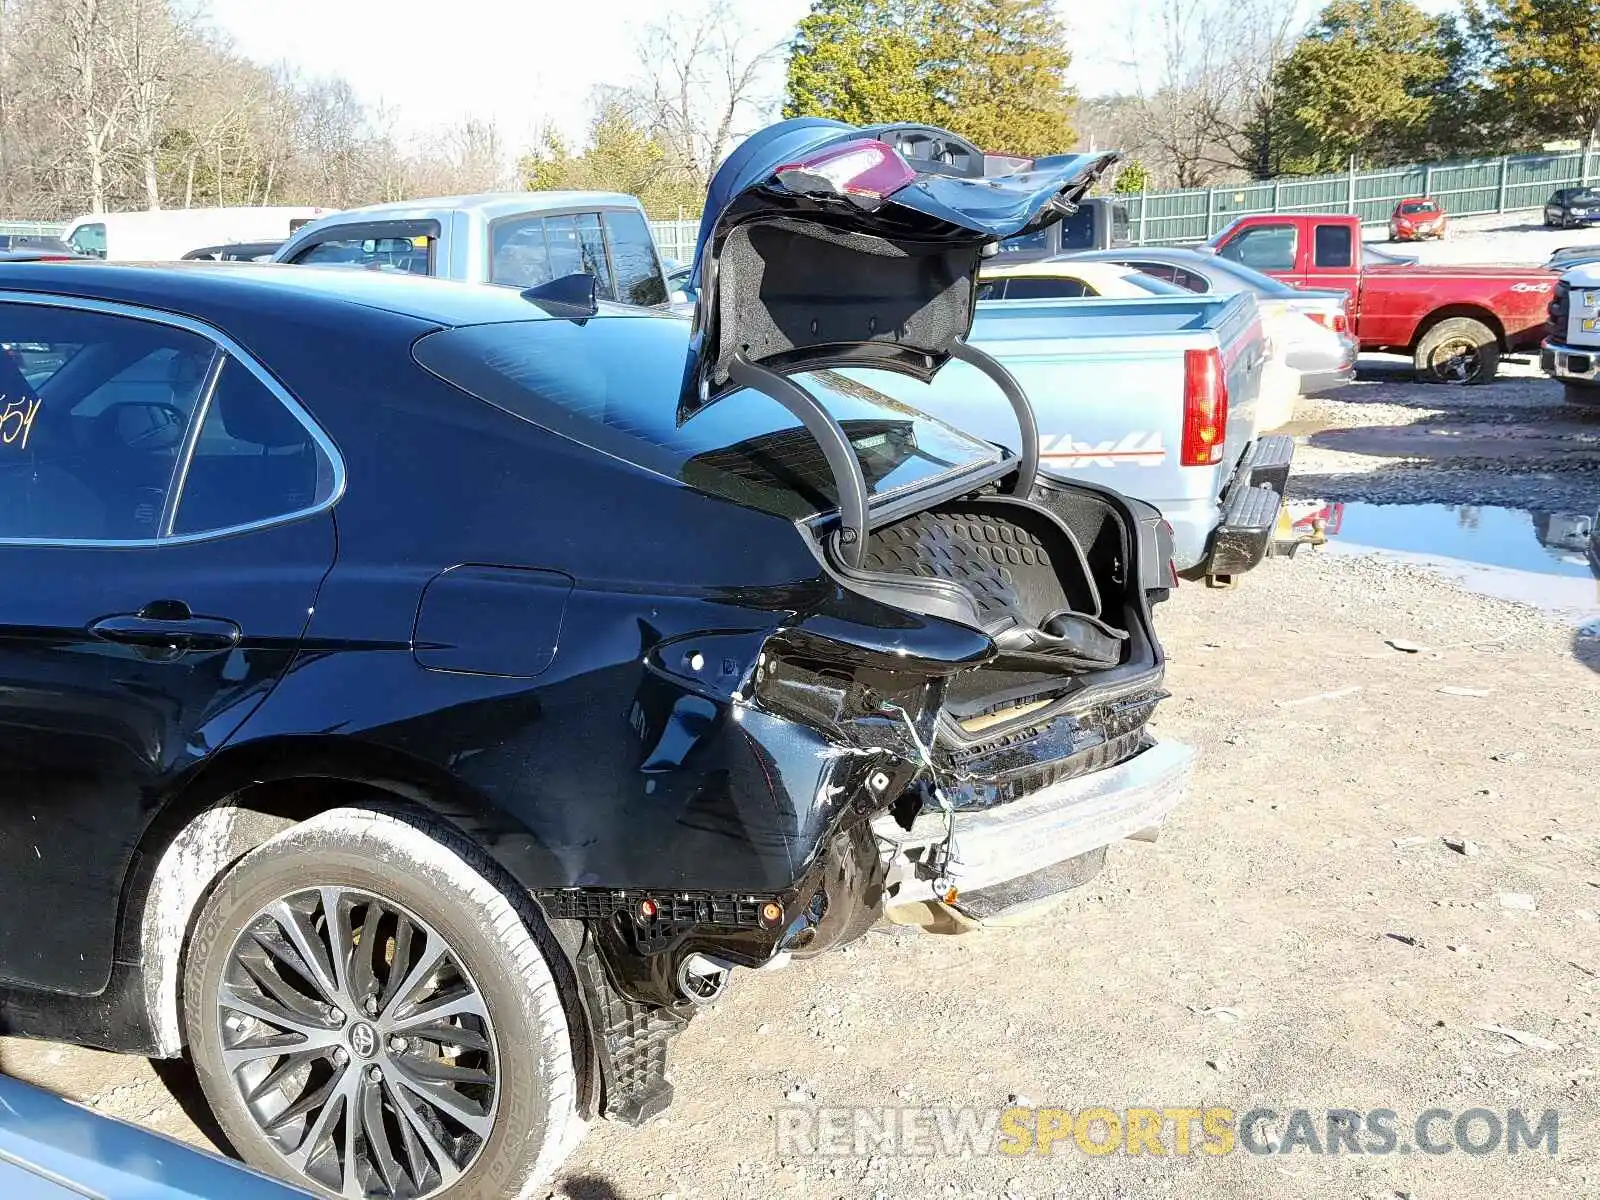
[(701, 979)]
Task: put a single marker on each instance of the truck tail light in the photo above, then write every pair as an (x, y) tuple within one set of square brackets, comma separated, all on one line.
[(1205, 408), (866, 168), (1336, 321)]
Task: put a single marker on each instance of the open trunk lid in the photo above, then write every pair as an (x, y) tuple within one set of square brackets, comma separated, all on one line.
[(827, 245), (826, 248)]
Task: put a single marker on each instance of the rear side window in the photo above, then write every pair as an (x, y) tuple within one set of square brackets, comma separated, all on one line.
[(93, 412), (118, 429), (1047, 289), (89, 239), (518, 254), (528, 251), (1333, 245), (633, 255), (412, 255), (1264, 247), (34, 241), (254, 460), (591, 246), (1027, 243), (1158, 270)]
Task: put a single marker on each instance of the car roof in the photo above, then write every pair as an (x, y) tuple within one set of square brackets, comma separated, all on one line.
[(1050, 268), (193, 286), (489, 205), (1120, 254)]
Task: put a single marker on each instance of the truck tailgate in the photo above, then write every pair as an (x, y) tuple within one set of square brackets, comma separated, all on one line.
[(1106, 379)]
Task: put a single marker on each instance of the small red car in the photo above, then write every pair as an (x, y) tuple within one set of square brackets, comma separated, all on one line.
[(1416, 218)]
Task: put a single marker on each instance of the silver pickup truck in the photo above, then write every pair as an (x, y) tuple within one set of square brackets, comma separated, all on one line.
[(1154, 398), (517, 239)]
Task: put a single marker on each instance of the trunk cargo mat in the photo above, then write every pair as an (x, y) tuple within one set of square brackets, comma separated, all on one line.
[(1029, 578)]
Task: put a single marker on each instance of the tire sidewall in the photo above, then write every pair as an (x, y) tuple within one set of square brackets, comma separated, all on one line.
[(378, 863), (1481, 335)]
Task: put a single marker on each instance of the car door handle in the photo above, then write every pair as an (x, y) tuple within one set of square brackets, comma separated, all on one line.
[(168, 630)]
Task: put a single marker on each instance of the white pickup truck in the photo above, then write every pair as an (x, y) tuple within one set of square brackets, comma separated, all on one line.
[(1571, 350), (1154, 398), (517, 239)]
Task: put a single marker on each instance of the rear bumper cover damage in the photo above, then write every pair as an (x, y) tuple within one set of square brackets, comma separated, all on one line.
[(1000, 846)]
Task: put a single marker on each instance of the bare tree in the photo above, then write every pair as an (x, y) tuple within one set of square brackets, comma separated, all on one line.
[(1203, 73), (700, 85), (149, 45), (92, 102), (138, 103), (466, 157), (1265, 32)]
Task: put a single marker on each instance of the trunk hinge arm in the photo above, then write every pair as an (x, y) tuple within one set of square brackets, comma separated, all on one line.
[(836, 448), (1028, 463)]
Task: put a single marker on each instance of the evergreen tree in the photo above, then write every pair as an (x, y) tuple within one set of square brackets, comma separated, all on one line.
[(864, 62), (1006, 68), (993, 71), (1363, 82), (1542, 66)]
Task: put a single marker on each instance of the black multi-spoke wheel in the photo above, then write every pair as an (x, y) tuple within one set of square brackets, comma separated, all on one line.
[(360, 1045), (370, 1017), (1457, 350)]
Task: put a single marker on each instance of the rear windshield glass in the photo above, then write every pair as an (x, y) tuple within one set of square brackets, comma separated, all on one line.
[(612, 383), (1228, 277)]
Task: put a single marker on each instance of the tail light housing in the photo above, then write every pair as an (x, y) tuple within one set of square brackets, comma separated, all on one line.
[(1205, 408), (1336, 321), (864, 169)]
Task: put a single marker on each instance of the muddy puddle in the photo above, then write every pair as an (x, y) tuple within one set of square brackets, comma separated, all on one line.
[(1547, 559)]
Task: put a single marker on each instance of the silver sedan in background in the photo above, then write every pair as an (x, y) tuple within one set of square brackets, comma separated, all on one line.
[(1313, 347)]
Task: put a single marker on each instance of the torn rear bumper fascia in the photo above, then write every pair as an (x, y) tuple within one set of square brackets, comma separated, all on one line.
[(1074, 817)]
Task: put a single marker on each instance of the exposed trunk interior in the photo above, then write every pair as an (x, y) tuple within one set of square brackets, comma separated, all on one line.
[(1051, 581)]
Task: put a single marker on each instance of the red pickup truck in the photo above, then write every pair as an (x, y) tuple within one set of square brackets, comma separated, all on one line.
[(1455, 321)]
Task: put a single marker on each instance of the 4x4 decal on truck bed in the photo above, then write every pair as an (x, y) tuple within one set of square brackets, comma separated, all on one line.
[(1141, 448)]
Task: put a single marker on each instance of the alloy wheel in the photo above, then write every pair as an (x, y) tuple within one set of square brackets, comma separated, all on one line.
[(1456, 361), (359, 1044)]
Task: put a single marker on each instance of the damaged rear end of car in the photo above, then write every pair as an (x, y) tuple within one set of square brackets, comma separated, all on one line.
[(950, 719), (828, 247)]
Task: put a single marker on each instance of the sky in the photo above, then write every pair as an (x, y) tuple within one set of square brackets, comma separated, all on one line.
[(525, 62)]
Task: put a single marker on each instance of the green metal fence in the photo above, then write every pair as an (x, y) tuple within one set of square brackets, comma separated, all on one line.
[(1479, 186)]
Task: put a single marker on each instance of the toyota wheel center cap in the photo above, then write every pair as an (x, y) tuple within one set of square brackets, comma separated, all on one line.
[(363, 1039)]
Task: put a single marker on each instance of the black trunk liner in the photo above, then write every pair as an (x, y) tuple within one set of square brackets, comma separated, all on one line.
[(1009, 562)]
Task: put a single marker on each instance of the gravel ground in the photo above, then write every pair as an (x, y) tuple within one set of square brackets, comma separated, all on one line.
[(1303, 934), (1388, 440)]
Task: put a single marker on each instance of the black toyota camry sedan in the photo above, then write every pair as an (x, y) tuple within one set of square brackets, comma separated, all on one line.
[(416, 699)]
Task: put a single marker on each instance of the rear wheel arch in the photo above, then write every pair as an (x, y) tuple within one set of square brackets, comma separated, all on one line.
[(211, 828), (1472, 312)]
